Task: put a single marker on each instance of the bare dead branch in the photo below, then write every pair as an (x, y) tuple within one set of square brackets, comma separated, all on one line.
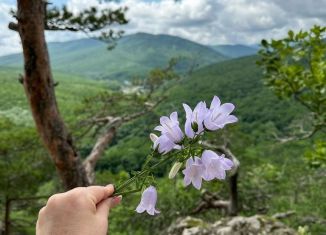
[(112, 123), (97, 151), (302, 135)]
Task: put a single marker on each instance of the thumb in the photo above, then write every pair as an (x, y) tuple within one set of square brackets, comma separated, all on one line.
[(104, 206)]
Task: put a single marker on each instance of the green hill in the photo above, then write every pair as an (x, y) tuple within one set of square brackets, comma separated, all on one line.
[(134, 55), (238, 81), (235, 51), (70, 92)]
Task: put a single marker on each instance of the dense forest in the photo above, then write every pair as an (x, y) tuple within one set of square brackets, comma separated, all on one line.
[(275, 177)]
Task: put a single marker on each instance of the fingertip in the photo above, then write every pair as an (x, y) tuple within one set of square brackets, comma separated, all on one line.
[(110, 188), (116, 201), (107, 204)]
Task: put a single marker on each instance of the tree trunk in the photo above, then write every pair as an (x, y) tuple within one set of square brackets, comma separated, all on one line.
[(233, 207), (7, 217), (39, 88)]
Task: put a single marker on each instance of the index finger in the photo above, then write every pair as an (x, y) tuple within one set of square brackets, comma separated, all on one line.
[(99, 193)]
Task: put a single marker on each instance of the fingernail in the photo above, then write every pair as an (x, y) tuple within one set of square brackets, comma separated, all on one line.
[(111, 185), (117, 199)]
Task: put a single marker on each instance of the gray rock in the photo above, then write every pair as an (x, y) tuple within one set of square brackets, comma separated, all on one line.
[(239, 225), (188, 226)]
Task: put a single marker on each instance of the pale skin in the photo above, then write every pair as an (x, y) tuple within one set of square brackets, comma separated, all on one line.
[(80, 211)]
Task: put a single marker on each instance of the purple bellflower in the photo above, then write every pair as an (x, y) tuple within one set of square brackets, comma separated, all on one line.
[(171, 134), (163, 144), (215, 165), (148, 201), (170, 128), (193, 172), (219, 115), (194, 119)]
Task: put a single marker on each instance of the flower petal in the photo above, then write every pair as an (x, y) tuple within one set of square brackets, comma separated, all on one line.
[(140, 208), (174, 117), (231, 119), (159, 128), (226, 163), (188, 111), (151, 211), (186, 181), (227, 108), (188, 129), (189, 162), (216, 102), (164, 120), (197, 182)]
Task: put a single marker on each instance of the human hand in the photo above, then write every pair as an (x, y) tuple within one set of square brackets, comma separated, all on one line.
[(80, 211)]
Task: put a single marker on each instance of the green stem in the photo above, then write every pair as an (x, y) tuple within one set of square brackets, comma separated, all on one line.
[(127, 192), (135, 177)]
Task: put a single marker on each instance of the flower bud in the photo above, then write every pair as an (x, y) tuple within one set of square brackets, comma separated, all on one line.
[(153, 137), (175, 169), (194, 126)]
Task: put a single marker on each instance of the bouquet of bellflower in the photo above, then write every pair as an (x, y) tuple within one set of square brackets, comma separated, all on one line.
[(185, 150)]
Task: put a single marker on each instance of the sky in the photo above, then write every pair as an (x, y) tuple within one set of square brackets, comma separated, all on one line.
[(208, 22)]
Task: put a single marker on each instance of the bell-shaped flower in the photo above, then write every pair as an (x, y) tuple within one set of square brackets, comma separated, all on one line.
[(148, 201), (163, 144), (194, 119), (170, 128), (193, 172), (215, 165), (219, 115)]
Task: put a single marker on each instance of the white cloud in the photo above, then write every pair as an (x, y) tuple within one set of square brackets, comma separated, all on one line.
[(204, 21), (9, 40), (218, 21), (248, 16)]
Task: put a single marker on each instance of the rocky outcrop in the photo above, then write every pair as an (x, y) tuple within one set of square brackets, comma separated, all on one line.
[(239, 225)]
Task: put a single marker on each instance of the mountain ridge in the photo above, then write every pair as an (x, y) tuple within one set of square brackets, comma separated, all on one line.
[(235, 51), (134, 55)]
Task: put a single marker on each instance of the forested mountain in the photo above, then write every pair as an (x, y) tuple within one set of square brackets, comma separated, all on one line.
[(134, 55), (261, 114), (235, 51), (238, 81)]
